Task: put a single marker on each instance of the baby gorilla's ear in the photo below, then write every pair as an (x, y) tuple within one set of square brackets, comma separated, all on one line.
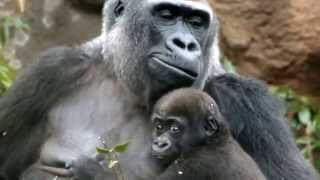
[(210, 126)]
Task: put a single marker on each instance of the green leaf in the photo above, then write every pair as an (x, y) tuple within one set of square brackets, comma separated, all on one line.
[(120, 148), (316, 144), (103, 150), (6, 34), (316, 119), (303, 141), (228, 66), (112, 163), (4, 69), (7, 25), (317, 164), (284, 92), (6, 83), (305, 115), (311, 127), (305, 100), (20, 25), (273, 89), (305, 152), (295, 106)]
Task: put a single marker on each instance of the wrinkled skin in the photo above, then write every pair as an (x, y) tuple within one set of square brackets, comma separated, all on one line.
[(100, 94)]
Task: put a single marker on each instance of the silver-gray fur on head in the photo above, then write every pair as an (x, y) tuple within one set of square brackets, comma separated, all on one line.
[(100, 44)]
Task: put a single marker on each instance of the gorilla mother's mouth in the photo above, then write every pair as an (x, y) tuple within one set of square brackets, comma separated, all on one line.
[(178, 69)]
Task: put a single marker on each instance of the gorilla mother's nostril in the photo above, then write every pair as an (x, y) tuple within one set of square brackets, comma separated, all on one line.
[(179, 43), (192, 47)]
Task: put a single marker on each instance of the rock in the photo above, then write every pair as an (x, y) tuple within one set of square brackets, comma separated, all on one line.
[(276, 40), (57, 23), (97, 3), (88, 4)]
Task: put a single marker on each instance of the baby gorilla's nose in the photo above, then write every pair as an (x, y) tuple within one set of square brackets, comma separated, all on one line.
[(161, 145)]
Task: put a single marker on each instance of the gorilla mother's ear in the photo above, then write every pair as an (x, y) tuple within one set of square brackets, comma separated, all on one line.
[(119, 8), (210, 126)]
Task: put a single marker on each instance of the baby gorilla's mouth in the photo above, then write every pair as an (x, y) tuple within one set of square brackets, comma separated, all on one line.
[(164, 159)]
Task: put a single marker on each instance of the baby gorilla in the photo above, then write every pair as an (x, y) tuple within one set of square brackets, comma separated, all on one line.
[(192, 141)]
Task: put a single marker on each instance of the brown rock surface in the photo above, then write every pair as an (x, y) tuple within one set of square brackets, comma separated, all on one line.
[(276, 40), (57, 23)]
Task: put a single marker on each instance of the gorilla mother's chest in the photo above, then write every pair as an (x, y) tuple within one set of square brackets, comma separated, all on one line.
[(98, 115)]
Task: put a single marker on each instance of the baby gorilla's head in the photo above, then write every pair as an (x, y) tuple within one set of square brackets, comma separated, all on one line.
[(184, 120)]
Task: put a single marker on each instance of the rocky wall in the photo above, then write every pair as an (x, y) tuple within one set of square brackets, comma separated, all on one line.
[(275, 40)]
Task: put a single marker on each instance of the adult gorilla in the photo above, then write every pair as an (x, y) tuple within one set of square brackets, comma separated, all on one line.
[(75, 99)]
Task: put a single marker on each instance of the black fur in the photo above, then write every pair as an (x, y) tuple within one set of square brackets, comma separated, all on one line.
[(259, 126), (23, 109), (201, 147), (46, 118)]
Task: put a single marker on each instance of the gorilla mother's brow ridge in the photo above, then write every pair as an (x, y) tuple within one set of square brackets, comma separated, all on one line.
[(192, 4)]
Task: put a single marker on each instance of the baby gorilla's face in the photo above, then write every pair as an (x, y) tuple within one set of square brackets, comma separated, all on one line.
[(168, 136), (180, 126)]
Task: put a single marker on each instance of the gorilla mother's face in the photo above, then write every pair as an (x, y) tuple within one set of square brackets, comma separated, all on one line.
[(160, 43)]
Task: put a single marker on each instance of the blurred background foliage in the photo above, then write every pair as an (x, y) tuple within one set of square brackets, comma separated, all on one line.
[(9, 25), (304, 118), (303, 115)]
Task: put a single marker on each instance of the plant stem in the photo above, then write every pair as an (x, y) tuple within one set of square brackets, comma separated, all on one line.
[(310, 148), (119, 171)]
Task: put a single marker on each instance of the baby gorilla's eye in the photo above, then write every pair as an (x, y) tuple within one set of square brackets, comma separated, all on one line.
[(159, 127), (175, 129)]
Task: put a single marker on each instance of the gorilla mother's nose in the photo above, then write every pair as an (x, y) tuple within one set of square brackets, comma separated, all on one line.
[(183, 44)]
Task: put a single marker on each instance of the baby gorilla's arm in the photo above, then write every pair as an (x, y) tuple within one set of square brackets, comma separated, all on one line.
[(193, 168), (227, 162)]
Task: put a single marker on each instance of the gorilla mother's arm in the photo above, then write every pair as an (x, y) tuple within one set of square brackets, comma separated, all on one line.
[(23, 108), (258, 124)]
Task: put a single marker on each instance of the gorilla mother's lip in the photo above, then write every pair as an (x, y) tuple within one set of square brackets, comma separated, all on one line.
[(184, 72)]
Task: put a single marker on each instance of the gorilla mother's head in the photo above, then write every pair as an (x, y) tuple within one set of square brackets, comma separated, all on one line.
[(161, 44)]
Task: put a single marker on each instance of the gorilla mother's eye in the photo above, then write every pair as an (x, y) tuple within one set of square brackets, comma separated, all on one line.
[(165, 12), (196, 21)]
